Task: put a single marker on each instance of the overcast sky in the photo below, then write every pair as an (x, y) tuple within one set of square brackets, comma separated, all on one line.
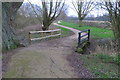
[(71, 12)]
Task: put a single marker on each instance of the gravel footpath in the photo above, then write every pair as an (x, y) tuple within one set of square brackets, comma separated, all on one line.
[(51, 59)]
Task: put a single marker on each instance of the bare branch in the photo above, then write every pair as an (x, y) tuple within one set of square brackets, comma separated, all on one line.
[(35, 12), (83, 7)]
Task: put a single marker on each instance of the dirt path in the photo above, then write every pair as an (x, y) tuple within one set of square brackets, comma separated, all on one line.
[(44, 60)]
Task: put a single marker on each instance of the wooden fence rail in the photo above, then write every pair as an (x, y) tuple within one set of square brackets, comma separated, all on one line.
[(84, 37), (51, 33)]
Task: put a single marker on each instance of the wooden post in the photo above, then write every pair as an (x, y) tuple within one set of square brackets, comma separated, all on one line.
[(51, 35), (88, 34), (29, 38), (79, 39), (42, 34), (60, 33)]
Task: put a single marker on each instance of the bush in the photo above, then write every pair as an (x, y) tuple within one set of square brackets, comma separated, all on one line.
[(82, 48), (117, 59), (79, 50)]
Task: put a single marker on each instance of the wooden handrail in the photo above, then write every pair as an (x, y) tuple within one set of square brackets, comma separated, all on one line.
[(35, 32), (43, 37), (84, 31)]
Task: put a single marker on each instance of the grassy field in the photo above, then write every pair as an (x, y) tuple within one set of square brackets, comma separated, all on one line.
[(101, 65), (95, 32)]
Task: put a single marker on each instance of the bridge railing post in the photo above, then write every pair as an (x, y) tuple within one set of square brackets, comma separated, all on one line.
[(79, 39), (88, 34)]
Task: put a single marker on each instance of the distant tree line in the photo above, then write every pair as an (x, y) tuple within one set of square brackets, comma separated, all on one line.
[(99, 18)]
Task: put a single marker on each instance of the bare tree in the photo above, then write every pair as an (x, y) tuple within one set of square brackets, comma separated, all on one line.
[(27, 11), (82, 7), (50, 11), (113, 9), (63, 15)]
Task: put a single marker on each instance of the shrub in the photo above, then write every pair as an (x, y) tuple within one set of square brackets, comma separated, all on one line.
[(79, 50), (117, 59), (108, 58)]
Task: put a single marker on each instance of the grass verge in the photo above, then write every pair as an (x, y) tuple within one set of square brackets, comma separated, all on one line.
[(101, 65), (96, 33), (65, 32)]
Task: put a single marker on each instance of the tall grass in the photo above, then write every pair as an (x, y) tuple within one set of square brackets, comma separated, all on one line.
[(102, 65)]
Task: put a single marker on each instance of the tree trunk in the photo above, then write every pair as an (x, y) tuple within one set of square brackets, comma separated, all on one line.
[(44, 28), (80, 23), (46, 24), (9, 38)]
